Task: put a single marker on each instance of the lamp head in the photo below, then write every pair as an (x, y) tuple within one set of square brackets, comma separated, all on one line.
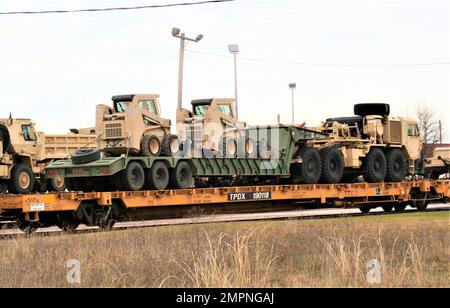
[(176, 32)]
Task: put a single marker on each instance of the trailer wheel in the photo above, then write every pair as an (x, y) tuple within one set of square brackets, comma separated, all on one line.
[(396, 165), (57, 184), (170, 146), (22, 180), (150, 146), (133, 177), (332, 165), (374, 166), (309, 171), (182, 176), (85, 156), (158, 176)]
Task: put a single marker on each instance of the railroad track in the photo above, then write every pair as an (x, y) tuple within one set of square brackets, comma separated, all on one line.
[(222, 218)]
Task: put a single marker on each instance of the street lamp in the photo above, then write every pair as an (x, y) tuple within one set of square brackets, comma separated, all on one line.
[(234, 50), (293, 86), (183, 42)]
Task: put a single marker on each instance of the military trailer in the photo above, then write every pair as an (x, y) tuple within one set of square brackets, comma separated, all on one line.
[(24, 154), (439, 164), (371, 144), (283, 156), (134, 126)]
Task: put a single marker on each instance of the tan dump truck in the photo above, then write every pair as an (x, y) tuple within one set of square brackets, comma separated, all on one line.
[(439, 164), (213, 124), (372, 143), (134, 126), (24, 154)]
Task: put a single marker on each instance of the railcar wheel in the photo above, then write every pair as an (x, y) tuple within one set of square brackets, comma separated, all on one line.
[(388, 208), (182, 176), (374, 166), (332, 165), (400, 207), (67, 222), (309, 171), (396, 165), (133, 177), (158, 177), (365, 209)]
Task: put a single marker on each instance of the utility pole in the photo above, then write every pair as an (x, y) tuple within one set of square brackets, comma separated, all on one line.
[(293, 86), (183, 42), (440, 131), (234, 50)]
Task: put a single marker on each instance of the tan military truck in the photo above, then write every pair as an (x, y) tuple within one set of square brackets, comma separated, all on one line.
[(24, 154), (373, 144), (439, 164), (213, 124), (134, 126)]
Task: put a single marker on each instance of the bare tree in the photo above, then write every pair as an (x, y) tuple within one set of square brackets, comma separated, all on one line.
[(430, 125)]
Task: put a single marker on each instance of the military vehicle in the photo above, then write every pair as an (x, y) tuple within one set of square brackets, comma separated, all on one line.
[(134, 126), (371, 144), (439, 164), (215, 128), (24, 154)]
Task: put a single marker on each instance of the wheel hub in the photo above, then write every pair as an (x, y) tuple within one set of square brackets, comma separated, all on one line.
[(24, 180)]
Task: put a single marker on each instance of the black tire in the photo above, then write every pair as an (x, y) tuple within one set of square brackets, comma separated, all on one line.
[(22, 180), (396, 166), (309, 171), (365, 110), (333, 163), (150, 146), (170, 146), (133, 177), (158, 176), (374, 166), (5, 138), (56, 185), (85, 156), (400, 207), (230, 148), (182, 176)]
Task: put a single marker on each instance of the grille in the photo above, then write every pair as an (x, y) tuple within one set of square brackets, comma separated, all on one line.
[(113, 131), (396, 132)]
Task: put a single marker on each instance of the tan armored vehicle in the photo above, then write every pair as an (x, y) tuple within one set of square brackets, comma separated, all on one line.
[(213, 125), (24, 154), (439, 164), (134, 126), (373, 144)]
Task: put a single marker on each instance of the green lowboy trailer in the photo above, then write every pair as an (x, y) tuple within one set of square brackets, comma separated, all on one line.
[(281, 153)]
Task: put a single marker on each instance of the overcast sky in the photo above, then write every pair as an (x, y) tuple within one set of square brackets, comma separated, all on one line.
[(56, 68)]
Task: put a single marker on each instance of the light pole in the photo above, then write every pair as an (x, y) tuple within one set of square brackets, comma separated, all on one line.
[(183, 42), (234, 50), (293, 86)]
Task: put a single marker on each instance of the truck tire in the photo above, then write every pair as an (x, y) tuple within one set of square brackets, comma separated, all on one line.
[(246, 148), (310, 170), (158, 176), (396, 165), (333, 163), (150, 146), (57, 184), (170, 146), (85, 156), (5, 138), (22, 180), (230, 147), (133, 177), (182, 176), (374, 166)]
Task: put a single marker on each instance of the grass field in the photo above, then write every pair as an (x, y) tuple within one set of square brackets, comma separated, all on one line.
[(412, 249)]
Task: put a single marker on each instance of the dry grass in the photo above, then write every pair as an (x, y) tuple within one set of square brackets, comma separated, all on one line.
[(413, 250)]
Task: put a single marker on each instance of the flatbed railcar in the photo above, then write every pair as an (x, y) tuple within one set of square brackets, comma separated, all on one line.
[(104, 209)]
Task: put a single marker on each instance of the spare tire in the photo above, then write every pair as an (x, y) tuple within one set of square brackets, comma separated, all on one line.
[(85, 156), (5, 138), (377, 109)]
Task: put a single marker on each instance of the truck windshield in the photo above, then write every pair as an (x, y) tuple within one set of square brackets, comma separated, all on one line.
[(121, 106), (225, 109), (200, 110), (28, 133)]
